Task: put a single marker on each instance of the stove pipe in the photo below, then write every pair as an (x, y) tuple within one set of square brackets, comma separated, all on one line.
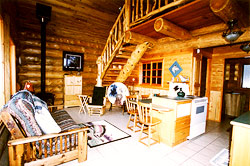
[(43, 13)]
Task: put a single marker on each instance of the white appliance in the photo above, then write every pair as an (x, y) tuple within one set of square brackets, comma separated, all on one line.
[(198, 116)]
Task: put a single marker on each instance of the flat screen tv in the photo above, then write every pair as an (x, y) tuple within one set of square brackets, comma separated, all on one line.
[(73, 61)]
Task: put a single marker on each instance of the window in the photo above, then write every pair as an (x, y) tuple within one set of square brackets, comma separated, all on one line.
[(246, 76), (152, 73)]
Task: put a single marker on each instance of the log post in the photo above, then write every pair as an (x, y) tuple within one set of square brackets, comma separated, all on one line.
[(131, 63), (136, 38), (127, 14), (167, 28), (82, 146), (228, 10)]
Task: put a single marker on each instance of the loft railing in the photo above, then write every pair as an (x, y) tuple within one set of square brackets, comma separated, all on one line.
[(141, 10), (114, 41)]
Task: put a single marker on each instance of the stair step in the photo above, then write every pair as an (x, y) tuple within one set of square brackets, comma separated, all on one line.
[(112, 75), (123, 56), (119, 63)]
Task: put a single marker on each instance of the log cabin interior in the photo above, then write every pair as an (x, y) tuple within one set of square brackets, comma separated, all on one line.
[(135, 42)]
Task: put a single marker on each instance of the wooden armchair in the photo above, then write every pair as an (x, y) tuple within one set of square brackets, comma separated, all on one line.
[(49, 149)]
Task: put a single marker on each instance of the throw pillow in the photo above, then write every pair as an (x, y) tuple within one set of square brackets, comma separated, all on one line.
[(45, 121)]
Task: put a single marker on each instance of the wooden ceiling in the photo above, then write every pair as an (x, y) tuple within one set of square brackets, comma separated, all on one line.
[(193, 16), (76, 19)]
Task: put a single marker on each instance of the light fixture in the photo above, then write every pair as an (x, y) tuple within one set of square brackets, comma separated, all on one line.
[(232, 33), (245, 47)]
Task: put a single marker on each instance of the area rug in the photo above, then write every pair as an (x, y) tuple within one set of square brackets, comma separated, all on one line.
[(221, 158), (102, 132)]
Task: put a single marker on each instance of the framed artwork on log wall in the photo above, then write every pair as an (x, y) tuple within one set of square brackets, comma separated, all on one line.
[(175, 69)]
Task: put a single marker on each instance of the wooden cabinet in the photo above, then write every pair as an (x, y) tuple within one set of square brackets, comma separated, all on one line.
[(240, 145), (72, 88), (175, 124)]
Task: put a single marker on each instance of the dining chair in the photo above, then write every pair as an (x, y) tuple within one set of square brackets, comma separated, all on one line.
[(131, 104), (146, 119)]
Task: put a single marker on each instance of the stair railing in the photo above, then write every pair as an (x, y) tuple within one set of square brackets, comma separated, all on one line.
[(114, 41), (141, 10)]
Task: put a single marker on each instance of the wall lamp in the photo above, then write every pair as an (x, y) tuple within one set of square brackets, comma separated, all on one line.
[(245, 47), (232, 33)]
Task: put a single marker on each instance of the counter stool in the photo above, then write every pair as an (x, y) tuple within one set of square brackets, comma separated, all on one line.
[(131, 104), (146, 119)]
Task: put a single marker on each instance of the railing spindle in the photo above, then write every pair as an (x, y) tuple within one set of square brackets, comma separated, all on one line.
[(147, 11), (137, 9), (141, 8)]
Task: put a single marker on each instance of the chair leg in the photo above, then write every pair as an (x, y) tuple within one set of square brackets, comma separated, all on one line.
[(129, 119), (149, 134), (140, 137)]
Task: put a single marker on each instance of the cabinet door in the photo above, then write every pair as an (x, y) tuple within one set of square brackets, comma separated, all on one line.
[(69, 80), (78, 81)]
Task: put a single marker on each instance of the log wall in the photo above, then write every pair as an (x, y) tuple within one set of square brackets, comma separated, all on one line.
[(28, 63)]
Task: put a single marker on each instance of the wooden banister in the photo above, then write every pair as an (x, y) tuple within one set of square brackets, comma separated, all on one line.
[(116, 36)]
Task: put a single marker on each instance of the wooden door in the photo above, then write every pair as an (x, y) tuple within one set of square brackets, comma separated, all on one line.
[(197, 62)]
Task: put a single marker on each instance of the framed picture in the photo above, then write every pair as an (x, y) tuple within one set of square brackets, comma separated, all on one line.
[(175, 69)]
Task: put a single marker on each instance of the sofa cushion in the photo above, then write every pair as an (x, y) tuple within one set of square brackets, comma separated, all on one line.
[(64, 120), (23, 111)]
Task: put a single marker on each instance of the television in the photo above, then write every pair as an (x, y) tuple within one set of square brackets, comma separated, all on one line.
[(72, 61)]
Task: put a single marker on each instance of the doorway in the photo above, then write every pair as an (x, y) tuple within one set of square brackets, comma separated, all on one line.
[(203, 76)]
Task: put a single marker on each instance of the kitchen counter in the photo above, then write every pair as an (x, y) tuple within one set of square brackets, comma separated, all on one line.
[(240, 145), (175, 98), (243, 120), (175, 123)]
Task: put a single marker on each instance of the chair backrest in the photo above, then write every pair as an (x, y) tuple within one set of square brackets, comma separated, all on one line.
[(144, 111), (131, 106), (98, 95)]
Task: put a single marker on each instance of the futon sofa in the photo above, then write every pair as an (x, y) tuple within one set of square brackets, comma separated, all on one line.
[(40, 137)]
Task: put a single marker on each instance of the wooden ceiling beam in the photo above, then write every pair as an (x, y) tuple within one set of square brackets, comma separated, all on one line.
[(168, 28), (228, 10), (204, 41)]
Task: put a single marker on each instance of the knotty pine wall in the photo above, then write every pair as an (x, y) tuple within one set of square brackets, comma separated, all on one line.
[(217, 77), (28, 62), (183, 57)]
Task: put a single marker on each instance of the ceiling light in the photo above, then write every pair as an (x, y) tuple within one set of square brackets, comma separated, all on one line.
[(245, 47), (232, 33)]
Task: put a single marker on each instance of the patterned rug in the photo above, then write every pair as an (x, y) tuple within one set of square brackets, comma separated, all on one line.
[(102, 132)]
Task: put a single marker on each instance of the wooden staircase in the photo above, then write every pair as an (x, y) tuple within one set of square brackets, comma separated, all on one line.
[(124, 48)]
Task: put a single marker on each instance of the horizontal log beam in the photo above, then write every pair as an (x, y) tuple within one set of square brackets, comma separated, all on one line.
[(204, 41), (228, 10), (167, 28), (136, 38)]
